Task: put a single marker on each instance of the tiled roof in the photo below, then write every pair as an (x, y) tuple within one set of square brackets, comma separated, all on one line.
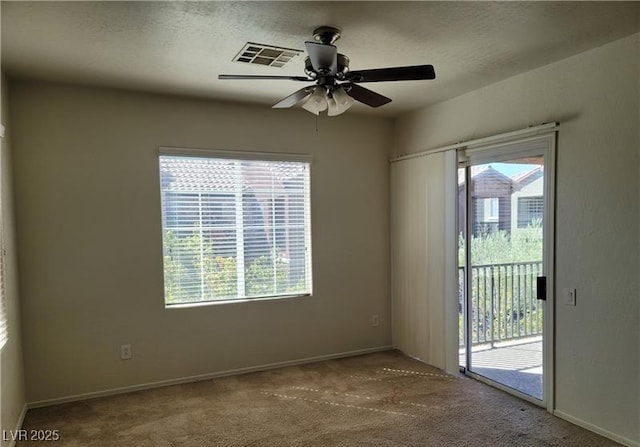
[(476, 170), (524, 175), (479, 169), (208, 174)]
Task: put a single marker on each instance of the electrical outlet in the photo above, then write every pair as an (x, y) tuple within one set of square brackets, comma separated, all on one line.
[(570, 297), (375, 320), (125, 352)]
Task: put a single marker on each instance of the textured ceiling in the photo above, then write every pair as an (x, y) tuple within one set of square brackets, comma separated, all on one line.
[(181, 47)]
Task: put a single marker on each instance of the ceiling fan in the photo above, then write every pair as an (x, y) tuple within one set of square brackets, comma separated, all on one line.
[(336, 87)]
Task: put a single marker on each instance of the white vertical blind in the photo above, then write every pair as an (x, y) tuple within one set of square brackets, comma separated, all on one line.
[(234, 228), (423, 278)]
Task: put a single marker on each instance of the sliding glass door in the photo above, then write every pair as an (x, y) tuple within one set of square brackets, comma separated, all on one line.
[(505, 213)]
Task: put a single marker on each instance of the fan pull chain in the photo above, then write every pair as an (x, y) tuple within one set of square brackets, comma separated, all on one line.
[(317, 122)]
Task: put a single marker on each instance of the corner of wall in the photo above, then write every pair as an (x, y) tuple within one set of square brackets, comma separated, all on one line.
[(12, 386)]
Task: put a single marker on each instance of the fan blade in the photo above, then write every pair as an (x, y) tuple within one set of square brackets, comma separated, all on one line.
[(294, 98), (366, 96), (324, 58), (288, 78), (413, 73)]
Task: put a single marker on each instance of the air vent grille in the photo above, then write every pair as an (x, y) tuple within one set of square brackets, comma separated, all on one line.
[(260, 54)]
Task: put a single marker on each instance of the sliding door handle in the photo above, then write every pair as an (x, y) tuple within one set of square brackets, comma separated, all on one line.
[(541, 288)]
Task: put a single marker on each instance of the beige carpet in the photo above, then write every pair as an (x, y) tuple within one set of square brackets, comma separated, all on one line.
[(383, 399)]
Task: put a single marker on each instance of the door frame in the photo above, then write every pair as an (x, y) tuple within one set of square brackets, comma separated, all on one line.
[(542, 144)]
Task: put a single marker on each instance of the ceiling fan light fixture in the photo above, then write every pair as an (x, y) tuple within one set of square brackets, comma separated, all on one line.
[(317, 101), (332, 107), (339, 102), (336, 86)]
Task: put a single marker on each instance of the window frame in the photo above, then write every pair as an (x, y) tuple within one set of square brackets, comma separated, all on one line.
[(242, 156), (4, 313), (537, 202), (491, 204)]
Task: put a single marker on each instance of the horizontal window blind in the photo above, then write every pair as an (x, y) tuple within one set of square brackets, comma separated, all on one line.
[(530, 210), (3, 306), (4, 330), (234, 228)]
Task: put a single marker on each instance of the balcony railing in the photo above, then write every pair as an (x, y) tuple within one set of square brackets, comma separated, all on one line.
[(503, 302)]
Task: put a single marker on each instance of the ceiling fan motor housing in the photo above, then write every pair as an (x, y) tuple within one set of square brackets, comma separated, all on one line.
[(326, 34), (343, 67)]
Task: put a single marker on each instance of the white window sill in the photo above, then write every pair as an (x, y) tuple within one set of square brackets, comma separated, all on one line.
[(233, 301)]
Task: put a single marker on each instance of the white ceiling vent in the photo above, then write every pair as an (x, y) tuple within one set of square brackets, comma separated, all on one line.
[(260, 54)]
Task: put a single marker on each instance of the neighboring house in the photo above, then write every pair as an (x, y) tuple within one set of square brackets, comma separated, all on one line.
[(491, 201), (500, 202), (527, 201)]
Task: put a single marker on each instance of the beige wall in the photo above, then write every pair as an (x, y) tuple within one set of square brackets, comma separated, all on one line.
[(595, 96), (12, 390), (88, 209)]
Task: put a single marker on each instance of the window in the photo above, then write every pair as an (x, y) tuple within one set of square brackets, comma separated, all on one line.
[(4, 330), (530, 211), (491, 208), (234, 228)]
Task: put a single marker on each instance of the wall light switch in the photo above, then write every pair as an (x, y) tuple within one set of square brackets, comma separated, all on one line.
[(125, 352), (570, 297)]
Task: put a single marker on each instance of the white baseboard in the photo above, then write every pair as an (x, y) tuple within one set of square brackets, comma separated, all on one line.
[(594, 428), (231, 372), (19, 423)]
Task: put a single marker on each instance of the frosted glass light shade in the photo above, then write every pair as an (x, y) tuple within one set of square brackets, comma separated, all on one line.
[(317, 102), (340, 102)]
